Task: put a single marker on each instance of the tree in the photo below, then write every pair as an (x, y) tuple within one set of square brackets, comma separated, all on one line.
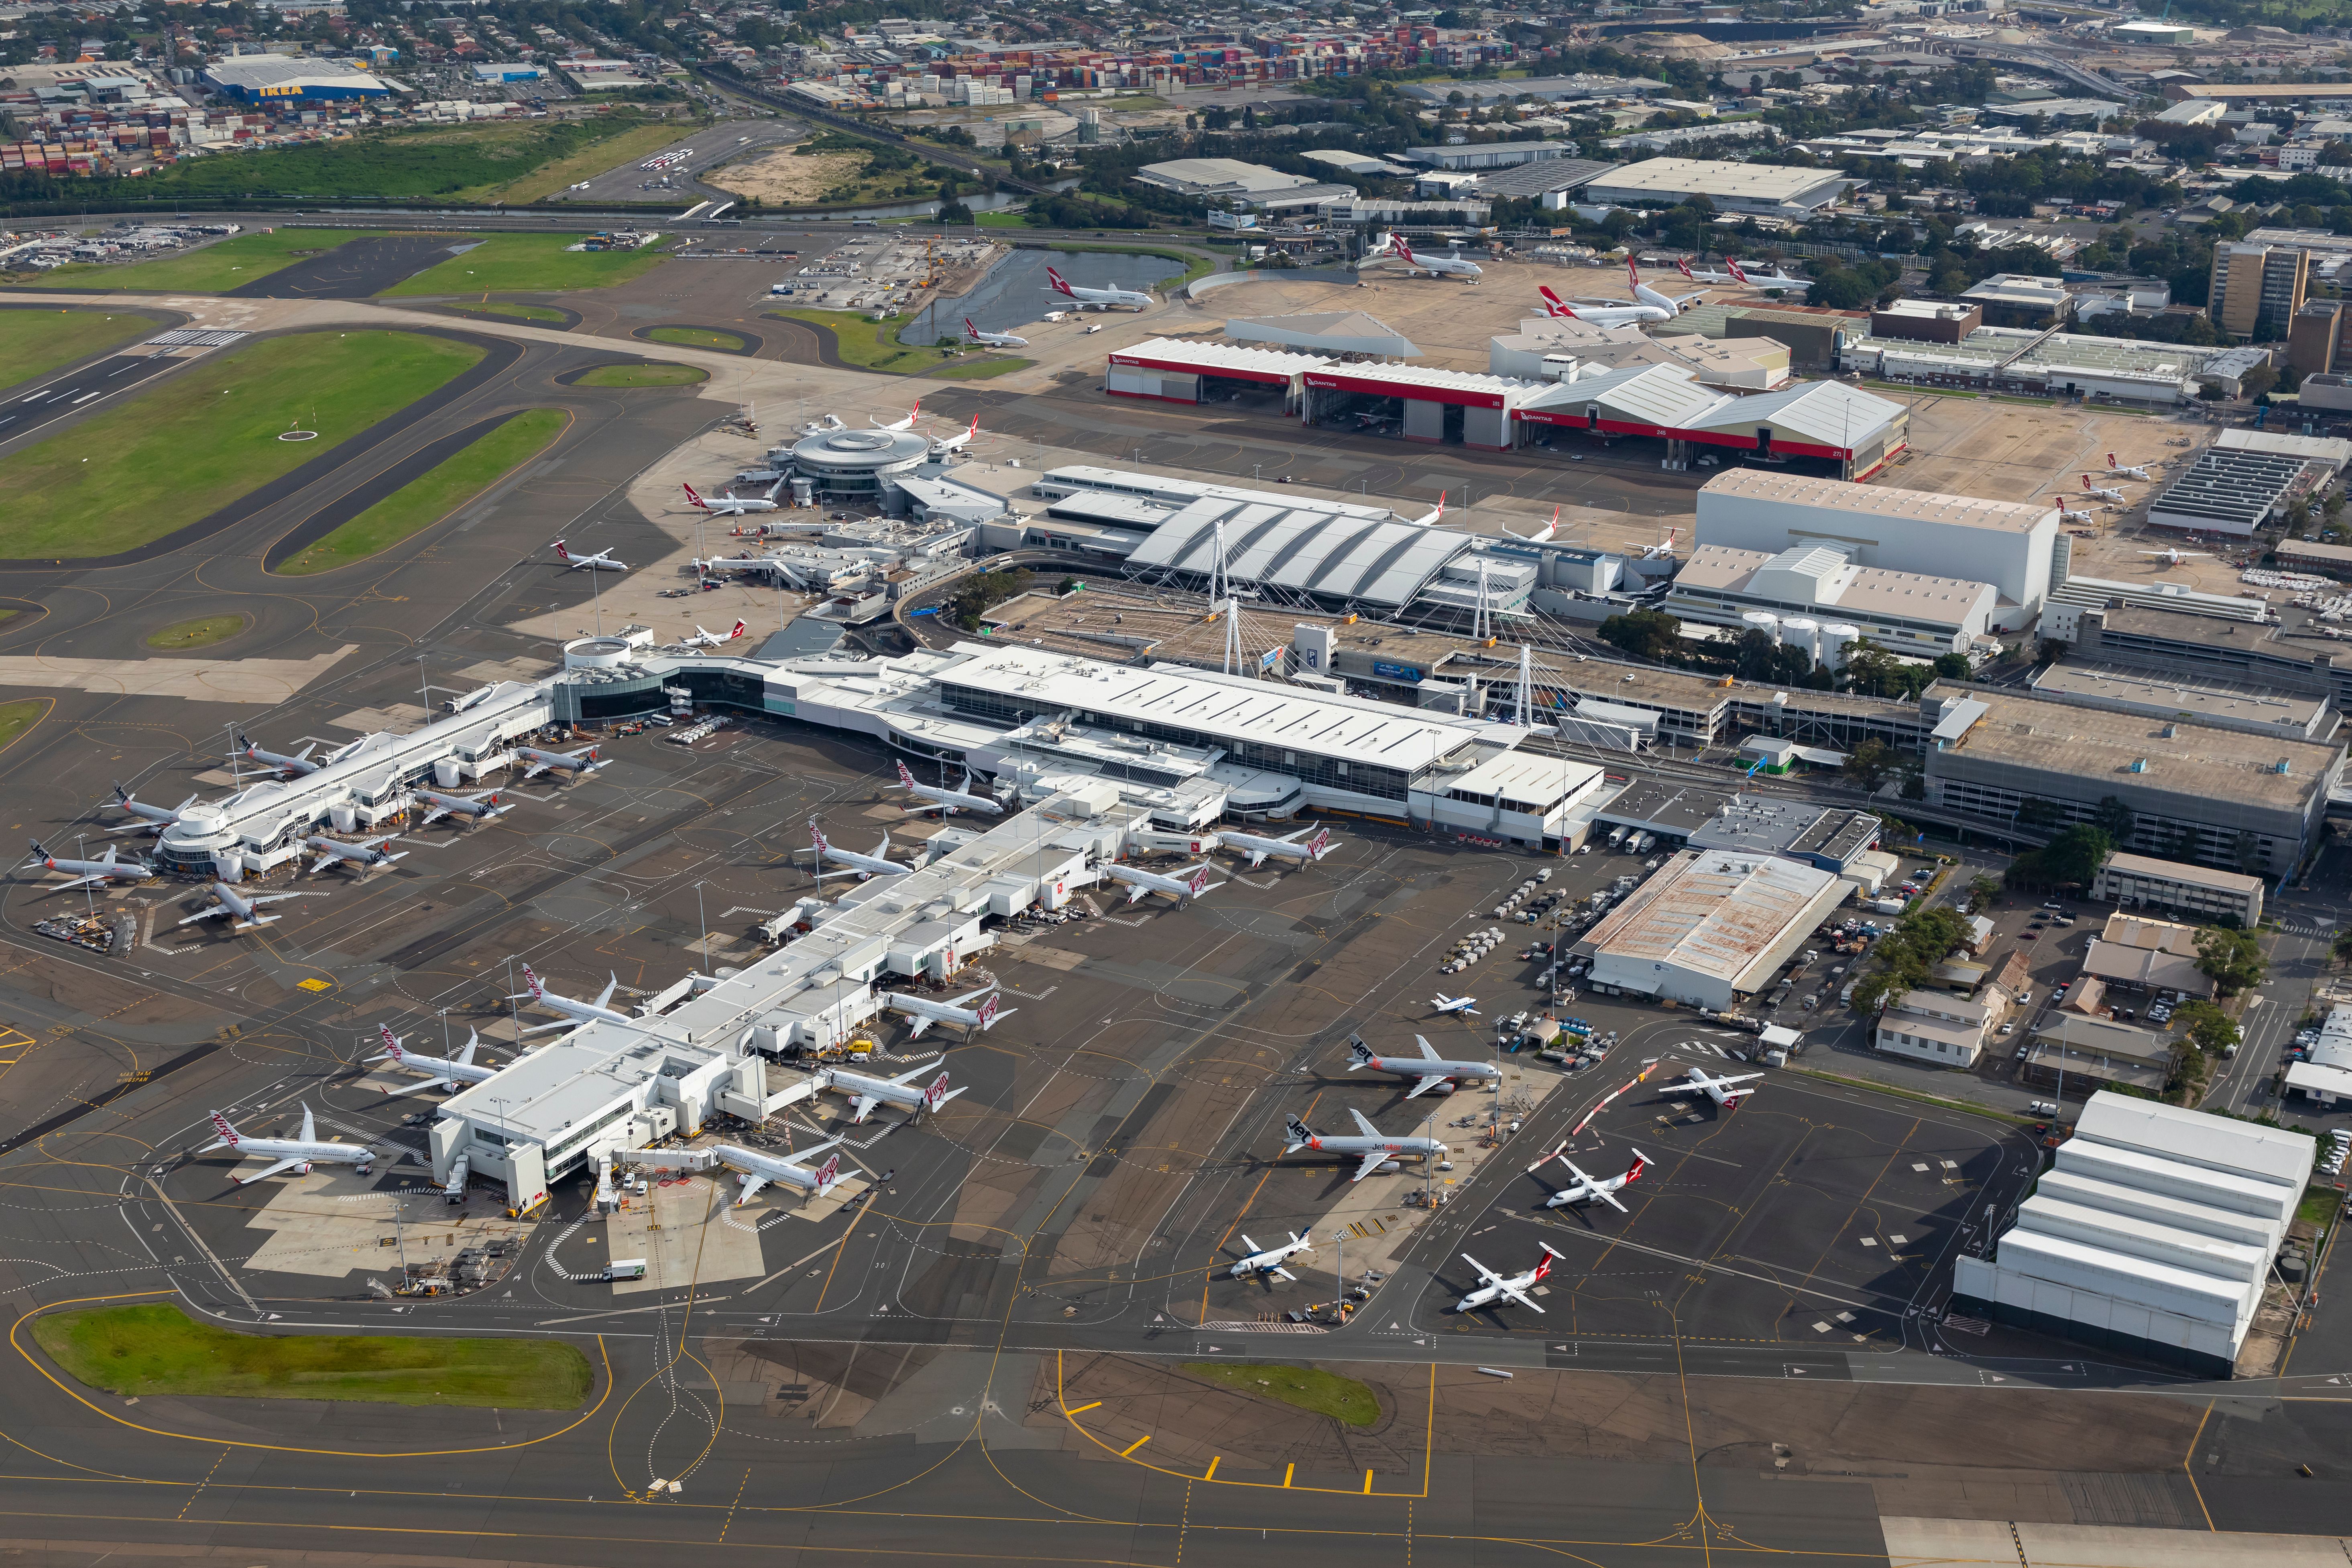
[(1982, 890), (2210, 1029), (1652, 635), (2342, 946), (1924, 940), (1869, 762), (2076, 854), (2231, 960), (2114, 819), (1954, 666), (2037, 813)]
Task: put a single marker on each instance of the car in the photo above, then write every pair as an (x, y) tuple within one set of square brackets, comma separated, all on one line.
[(2040, 1108), (2007, 1029), (2054, 904)]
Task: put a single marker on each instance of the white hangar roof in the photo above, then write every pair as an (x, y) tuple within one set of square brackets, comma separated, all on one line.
[(1304, 549)]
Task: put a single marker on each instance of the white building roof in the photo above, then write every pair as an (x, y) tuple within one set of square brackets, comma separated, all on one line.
[(1210, 358), (1876, 501), (1712, 912), (1664, 394), (2217, 1143), (1219, 175), (1527, 782), (1681, 177), (1306, 549), (1828, 412)]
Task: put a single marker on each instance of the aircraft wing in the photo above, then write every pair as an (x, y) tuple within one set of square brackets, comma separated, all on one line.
[(76, 882), (1423, 1083), (1286, 1273), (1606, 1196), (752, 1182), (1516, 1294), (283, 1165), (1371, 1161), (217, 910), (1363, 1124), (863, 1107), (413, 1089), (1740, 1077), (1428, 1051), (1684, 1086)]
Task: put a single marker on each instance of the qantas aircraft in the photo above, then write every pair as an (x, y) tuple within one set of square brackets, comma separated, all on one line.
[(1432, 520), (906, 424), (1101, 298), (601, 562), (948, 444), (712, 639), (2174, 557), (732, 506), (1448, 265), (1430, 1070), (1493, 1287), (994, 340), (1649, 296), (296, 1154), (1546, 531), (1601, 315), (2102, 492), (1586, 1189), (2124, 469)]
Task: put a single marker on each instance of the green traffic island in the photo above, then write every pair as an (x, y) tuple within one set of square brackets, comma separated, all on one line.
[(633, 374), (716, 339), (1343, 1399), (202, 631), (851, 339), (433, 486), (155, 1348)]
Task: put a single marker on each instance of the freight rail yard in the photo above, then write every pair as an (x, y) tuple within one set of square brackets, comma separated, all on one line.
[(1041, 1083)]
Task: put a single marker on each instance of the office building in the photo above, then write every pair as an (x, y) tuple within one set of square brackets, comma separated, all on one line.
[(2199, 893), (1767, 188), (2257, 285)]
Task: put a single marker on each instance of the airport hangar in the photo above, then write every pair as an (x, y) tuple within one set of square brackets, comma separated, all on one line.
[(1825, 421), (1097, 754)]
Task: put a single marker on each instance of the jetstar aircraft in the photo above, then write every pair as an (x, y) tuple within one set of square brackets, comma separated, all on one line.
[(1270, 1259), (1318, 843), (107, 867), (732, 506), (939, 797), (296, 1154), (1431, 1070), (1588, 1188), (1184, 887), (712, 639), (756, 1168), (994, 340), (583, 762), (575, 1012), (877, 864), (1101, 298), (447, 1072), (926, 1012), (1445, 1004), (151, 818), (241, 911), (1493, 1287), (1594, 315), (1718, 1089), (474, 807), (601, 562), (294, 767), (1374, 1151), (367, 855), (866, 1093)]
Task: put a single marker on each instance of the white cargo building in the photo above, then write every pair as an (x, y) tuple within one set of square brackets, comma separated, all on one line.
[(1710, 927), (2010, 544), (2154, 1235)]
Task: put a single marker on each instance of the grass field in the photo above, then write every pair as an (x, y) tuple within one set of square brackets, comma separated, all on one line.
[(530, 264), (34, 342), (170, 457), (642, 375), (1342, 1399), (969, 368), (698, 338), (202, 632), (862, 341), (208, 269), (434, 494), (19, 716), (629, 146), (512, 160), (135, 1352), (511, 310)]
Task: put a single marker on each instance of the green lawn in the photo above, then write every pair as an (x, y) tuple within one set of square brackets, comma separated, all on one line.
[(19, 716), (202, 632), (648, 374), (209, 269), (135, 1352), (978, 369), (863, 341), (34, 342), (698, 338), (434, 494), (1000, 220), (512, 311), (629, 146), (1327, 1393), (208, 434), (530, 264)]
